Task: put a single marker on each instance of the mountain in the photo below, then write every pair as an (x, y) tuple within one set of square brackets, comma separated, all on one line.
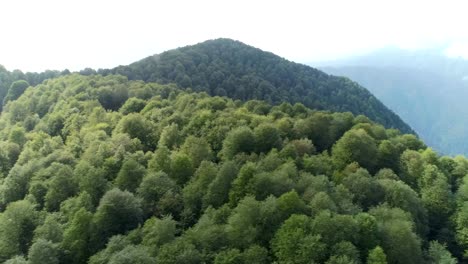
[(230, 68), (100, 169), (426, 89)]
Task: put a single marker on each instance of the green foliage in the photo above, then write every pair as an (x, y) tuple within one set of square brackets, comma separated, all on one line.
[(51, 230), (436, 196), (161, 160), (91, 180), (366, 192), (267, 137), (181, 168), (181, 177), (377, 256), (411, 167), (229, 256), (462, 227), (239, 140), (72, 205), (17, 224), (252, 221), (179, 251), (345, 249), (290, 203), (132, 255), (198, 150), (217, 193), (439, 254), (130, 175), (60, 188), (116, 244), (340, 260), (398, 194), (133, 105), (255, 255), (388, 155), (226, 67), (157, 232), (118, 212), (398, 240), (76, 237), (17, 260), (358, 146), (159, 195), (170, 137), (112, 97), (136, 126), (17, 88), (295, 243), (43, 251), (322, 201)]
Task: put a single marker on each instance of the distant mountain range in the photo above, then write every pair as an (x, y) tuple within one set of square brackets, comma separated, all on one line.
[(425, 88)]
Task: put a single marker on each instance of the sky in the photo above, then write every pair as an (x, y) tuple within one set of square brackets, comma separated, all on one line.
[(68, 34)]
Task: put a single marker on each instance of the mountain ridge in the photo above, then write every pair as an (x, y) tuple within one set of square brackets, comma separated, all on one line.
[(237, 70), (259, 75)]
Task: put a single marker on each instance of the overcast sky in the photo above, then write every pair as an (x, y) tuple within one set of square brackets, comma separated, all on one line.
[(58, 34)]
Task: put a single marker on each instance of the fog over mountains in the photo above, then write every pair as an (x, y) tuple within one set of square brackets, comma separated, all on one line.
[(427, 89)]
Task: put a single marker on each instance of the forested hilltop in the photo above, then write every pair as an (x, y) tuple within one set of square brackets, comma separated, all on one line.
[(225, 67), (104, 170)]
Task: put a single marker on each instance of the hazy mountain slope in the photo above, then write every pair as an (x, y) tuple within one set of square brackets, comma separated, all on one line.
[(432, 60), (429, 96), (227, 67)]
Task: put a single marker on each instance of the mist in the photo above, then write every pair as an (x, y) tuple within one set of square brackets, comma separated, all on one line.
[(77, 34)]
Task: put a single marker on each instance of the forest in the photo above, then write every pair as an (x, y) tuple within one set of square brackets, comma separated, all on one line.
[(103, 169), (225, 67)]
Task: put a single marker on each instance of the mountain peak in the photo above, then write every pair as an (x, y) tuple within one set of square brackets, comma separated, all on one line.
[(227, 67)]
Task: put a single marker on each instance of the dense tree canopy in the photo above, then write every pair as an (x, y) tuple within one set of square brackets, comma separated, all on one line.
[(13, 84), (225, 67), (161, 174)]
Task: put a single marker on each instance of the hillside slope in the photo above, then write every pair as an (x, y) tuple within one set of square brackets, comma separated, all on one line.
[(105, 170), (230, 68)]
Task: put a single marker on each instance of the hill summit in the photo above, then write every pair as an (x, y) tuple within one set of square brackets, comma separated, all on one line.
[(231, 68)]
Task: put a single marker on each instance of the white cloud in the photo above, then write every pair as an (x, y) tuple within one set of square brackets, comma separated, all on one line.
[(53, 34), (458, 49)]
